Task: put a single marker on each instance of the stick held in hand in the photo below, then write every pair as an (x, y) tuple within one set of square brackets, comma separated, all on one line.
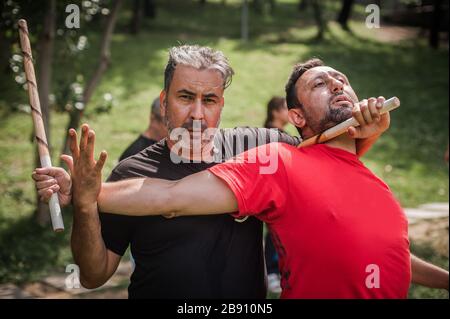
[(341, 128), (41, 139)]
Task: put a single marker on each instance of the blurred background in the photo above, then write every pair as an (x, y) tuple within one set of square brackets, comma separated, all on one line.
[(108, 71)]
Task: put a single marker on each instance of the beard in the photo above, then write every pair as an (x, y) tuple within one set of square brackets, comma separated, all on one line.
[(333, 116), (190, 125), (199, 133)]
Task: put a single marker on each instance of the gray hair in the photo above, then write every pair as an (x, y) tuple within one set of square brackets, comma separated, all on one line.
[(199, 58)]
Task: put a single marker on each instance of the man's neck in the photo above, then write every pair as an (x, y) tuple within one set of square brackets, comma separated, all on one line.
[(343, 142)]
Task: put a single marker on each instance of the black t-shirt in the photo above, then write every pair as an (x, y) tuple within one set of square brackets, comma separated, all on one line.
[(142, 142), (191, 256)]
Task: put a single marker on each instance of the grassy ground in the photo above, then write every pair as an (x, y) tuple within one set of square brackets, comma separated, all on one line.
[(408, 157)]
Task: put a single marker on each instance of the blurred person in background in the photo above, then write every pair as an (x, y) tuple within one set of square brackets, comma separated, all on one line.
[(155, 132)]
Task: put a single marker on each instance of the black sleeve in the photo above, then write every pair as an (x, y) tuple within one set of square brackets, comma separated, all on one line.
[(125, 154), (117, 230), (118, 172), (289, 139), (132, 149), (240, 139)]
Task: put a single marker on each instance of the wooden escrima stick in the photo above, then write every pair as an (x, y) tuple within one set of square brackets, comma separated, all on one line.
[(41, 139), (341, 128)]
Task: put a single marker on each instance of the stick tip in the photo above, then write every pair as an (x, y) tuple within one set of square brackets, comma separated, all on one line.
[(396, 101), (22, 23)]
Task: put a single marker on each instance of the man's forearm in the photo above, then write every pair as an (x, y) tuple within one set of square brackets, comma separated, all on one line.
[(153, 196), (428, 275), (137, 197), (88, 247), (364, 144)]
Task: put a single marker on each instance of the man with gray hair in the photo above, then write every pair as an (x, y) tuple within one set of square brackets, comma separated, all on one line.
[(189, 257), (155, 132)]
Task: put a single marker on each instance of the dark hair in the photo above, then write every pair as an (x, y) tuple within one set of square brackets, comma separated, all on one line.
[(298, 70), (276, 103), (155, 110)]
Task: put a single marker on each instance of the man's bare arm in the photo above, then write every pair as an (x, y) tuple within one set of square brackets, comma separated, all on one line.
[(199, 194), (428, 275), (371, 123), (365, 144), (97, 263)]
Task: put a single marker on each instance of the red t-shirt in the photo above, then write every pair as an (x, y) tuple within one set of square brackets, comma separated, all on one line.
[(338, 229)]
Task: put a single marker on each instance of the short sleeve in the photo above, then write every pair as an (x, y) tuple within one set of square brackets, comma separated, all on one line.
[(258, 180), (232, 142), (117, 230), (289, 139)]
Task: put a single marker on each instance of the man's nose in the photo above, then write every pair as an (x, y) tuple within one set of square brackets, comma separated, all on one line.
[(197, 110), (336, 86)]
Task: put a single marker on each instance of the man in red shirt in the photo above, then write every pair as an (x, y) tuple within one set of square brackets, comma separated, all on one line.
[(338, 229)]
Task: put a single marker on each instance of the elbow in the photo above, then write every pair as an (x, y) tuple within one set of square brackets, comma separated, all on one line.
[(88, 284), (91, 283)]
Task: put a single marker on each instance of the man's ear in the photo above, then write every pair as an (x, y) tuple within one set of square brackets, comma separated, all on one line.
[(162, 102), (297, 118)]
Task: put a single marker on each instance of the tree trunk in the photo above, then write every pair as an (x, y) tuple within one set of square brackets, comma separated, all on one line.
[(344, 14), (44, 78), (105, 58), (5, 45), (258, 6), (244, 21), (136, 18), (303, 5), (150, 9), (5, 52), (272, 6), (435, 24)]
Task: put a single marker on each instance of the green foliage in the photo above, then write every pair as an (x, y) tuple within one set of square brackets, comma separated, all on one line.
[(29, 251), (69, 53)]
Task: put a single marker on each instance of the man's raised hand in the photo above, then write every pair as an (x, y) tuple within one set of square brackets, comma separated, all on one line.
[(371, 122), (86, 172)]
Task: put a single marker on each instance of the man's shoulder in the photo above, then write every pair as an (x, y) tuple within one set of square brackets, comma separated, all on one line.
[(152, 151), (141, 163), (278, 149), (260, 135)]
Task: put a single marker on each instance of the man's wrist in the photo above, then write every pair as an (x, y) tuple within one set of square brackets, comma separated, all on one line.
[(85, 208)]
